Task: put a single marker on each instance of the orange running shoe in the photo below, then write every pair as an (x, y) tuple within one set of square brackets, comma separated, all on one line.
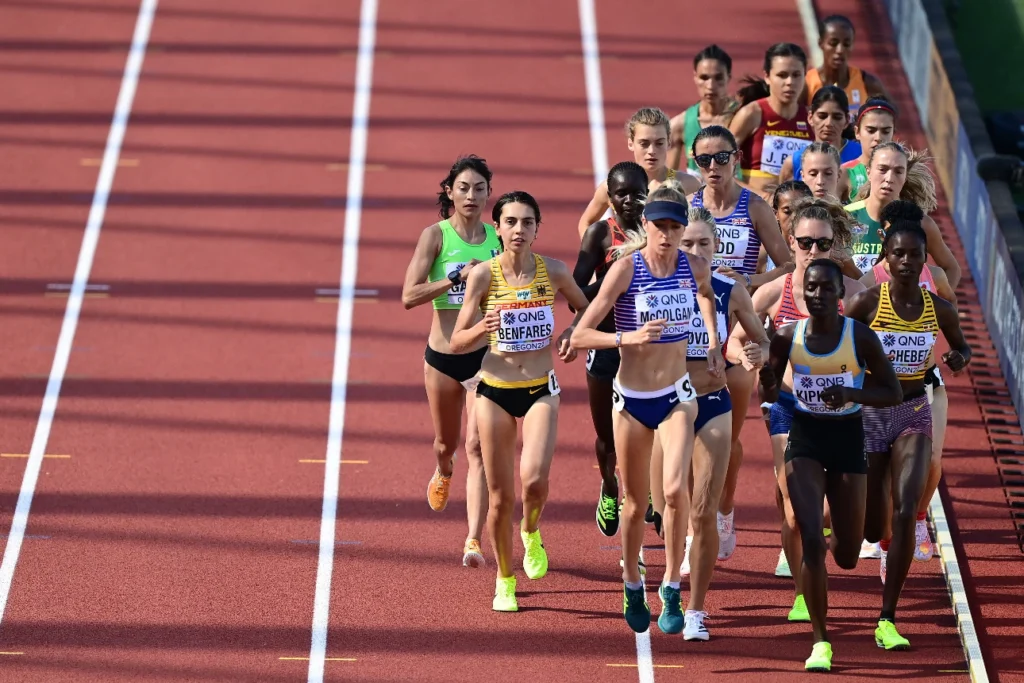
[(472, 556), (437, 491)]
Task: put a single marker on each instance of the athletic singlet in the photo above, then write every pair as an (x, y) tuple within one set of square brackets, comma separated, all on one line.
[(851, 151), (857, 174), (927, 280), (527, 313), (455, 253), (651, 298), (856, 90), (867, 244), (908, 343), (788, 312), (810, 374), (698, 346), (738, 243), (774, 140), (619, 237)]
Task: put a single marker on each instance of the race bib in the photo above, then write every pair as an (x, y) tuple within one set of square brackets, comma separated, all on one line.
[(675, 306), (732, 246), (525, 327), (807, 390), (908, 351), (699, 336), (591, 355), (775, 149), (618, 400), (553, 387), (684, 389), (458, 291)]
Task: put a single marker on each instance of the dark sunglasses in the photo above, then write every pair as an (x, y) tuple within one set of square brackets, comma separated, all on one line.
[(721, 158), (824, 243)]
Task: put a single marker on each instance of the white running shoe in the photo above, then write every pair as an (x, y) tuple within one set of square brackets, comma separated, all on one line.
[(684, 568), (923, 549), (782, 568), (693, 625), (726, 536), (881, 569), (870, 551)]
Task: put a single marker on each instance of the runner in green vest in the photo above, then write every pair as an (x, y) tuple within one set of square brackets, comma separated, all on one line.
[(875, 124), (712, 71)]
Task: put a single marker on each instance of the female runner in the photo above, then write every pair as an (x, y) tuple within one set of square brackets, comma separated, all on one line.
[(516, 291), (713, 424), (829, 117), (895, 172), (651, 288), (745, 221), (445, 253), (836, 43), (934, 280), (774, 127), (712, 71), (821, 229), (875, 124), (822, 360), (784, 200), (647, 136), (627, 189), (906, 317)]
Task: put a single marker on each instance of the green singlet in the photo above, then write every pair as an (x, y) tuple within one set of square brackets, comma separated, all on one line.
[(867, 243), (857, 174), (456, 253)]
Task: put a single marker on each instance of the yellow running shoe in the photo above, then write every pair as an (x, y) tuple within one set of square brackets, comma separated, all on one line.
[(535, 561), (505, 595), (821, 657), (472, 555), (888, 637), (437, 491), (799, 611)]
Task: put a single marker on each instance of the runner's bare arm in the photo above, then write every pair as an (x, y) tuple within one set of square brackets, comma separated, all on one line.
[(466, 334), (746, 121), (676, 154), (565, 285), (741, 305), (701, 270), (786, 172), (595, 209), (853, 287), (417, 289), (592, 252), (874, 86), (883, 389), (942, 287), (770, 234), (959, 354), (774, 370), (863, 305), (940, 253), (616, 282)]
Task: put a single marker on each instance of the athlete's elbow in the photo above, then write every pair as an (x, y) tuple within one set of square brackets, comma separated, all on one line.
[(408, 300)]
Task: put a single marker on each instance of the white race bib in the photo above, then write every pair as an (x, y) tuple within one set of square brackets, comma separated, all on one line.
[(553, 387), (864, 262), (775, 149), (807, 390), (674, 305), (732, 246), (684, 389), (699, 337), (458, 291), (528, 328), (907, 351)]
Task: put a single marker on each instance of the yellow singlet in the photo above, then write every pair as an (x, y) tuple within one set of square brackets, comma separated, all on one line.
[(527, 313), (909, 343)]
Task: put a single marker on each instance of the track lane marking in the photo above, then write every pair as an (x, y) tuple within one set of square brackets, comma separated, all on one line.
[(90, 240), (343, 336), (26, 455)]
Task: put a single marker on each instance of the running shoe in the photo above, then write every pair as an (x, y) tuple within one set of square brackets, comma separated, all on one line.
[(649, 515), (799, 611), (826, 532), (888, 637), (695, 628), (636, 609), (726, 536), (671, 619), (782, 568), (881, 568), (821, 658), (684, 568), (870, 551), (471, 554), (535, 561), (505, 595), (608, 514), (437, 491), (923, 549)]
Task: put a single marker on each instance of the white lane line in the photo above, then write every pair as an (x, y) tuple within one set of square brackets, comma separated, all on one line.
[(343, 335), (595, 96), (957, 594), (111, 154), (809, 19), (644, 660)]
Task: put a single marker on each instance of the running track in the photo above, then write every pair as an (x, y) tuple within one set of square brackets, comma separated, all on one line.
[(179, 541)]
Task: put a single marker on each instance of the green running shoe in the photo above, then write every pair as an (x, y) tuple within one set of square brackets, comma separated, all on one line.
[(821, 658), (636, 609), (535, 561), (505, 595), (799, 611), (888, 637), (671, 619), (607, 514)]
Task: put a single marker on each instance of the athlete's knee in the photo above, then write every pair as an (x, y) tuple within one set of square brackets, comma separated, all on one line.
[(501, 503), (905, 514), (846, 557), (703, 515), (814, 549), (632, 509), (675, 493), (535, 489)]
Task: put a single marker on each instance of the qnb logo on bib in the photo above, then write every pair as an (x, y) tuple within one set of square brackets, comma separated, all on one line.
[(699, 335), (732, 246), (458, 292), (908, 351), (525, 328), (808, 389), (777, 148), (675, 306)]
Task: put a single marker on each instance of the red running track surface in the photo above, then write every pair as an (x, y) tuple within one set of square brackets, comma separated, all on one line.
[(179, 540)]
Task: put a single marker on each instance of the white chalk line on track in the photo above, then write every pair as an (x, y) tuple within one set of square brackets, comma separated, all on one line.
[(343, 336), (943, 537), (97, 211), (599, 160)]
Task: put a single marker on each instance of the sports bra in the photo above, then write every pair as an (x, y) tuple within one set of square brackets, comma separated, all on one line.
[(527, 312), (738, 241), (455, 253), (909, 344), (650, 298), (811, 373)]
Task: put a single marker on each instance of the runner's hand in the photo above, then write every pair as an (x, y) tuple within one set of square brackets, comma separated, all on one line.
[(464, 273), (752, 358), (954, 361), (492, 320), (729, 272), (716, 364), (651, 331), (565, 350), (835, 397)]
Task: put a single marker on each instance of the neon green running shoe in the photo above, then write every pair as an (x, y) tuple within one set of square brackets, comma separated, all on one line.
[(799, 611), (505, 595), (888, 637), (535, 561), (608, 514), (821, 658)]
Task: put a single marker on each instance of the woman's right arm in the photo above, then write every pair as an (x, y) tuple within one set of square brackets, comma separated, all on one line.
[(418, 289), (595, 209), (616, 282), (592, 253), (745, 123)]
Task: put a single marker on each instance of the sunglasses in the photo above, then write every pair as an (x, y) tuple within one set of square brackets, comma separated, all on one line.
[(824, 243), (720, 158)]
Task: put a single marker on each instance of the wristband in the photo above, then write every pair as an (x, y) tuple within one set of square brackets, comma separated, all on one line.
[(618, 339), (747, 278)]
